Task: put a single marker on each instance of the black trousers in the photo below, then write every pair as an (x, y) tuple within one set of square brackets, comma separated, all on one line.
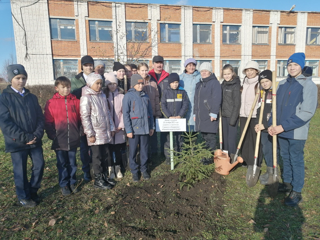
[(116, 151), (100, 158), (210, 139), (249, 142), (229, 134)]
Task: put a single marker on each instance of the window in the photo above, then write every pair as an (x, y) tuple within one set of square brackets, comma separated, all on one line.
[(65, 67), (231, 34), (199, 62), (108, 63), (315, 67), (313, 36), (137, 31), (169, 32), (201, 33), (263, 64), (286, 35), (260, 35), (63, 29), (100, 31), (282, 68), (172, 66), (234, 63)]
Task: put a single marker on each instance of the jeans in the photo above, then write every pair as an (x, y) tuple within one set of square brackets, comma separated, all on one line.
[(85, 154), (67, 167), (291, 151), (142, 141), (19, 161)]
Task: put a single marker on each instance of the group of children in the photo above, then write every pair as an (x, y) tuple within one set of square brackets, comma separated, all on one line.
[(99, 120)]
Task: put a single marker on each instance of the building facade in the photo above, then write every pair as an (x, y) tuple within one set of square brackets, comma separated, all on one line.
[(51, 36)]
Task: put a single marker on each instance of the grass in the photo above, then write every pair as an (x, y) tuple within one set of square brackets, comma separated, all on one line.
[(249, 213)]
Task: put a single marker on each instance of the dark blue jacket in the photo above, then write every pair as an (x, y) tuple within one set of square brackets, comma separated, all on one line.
[(207, 102), (297, 100), (174, 102), (21, 119), (137, 112)]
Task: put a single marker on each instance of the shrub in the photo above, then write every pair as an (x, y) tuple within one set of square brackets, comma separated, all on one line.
[(43, 93)]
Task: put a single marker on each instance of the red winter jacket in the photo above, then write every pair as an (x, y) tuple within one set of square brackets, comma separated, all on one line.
[(62, 121), (163, 83)]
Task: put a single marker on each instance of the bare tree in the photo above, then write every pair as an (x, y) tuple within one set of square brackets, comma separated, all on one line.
[(3, 72)]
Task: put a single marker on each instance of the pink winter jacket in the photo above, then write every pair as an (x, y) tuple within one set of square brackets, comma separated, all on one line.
[(248, 96), (95, 116), (115, 100)]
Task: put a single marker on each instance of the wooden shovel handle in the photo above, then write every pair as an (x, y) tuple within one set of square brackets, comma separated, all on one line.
[(256, 151), (274, 117), (125, 83), (249, 118), (220, 127)]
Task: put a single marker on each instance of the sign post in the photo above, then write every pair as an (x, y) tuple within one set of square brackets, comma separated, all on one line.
[(171, 125)]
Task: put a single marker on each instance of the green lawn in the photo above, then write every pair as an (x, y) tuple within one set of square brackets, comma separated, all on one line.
[(248, 213)]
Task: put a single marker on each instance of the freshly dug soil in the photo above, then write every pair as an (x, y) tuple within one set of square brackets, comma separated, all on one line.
[(160, 210)]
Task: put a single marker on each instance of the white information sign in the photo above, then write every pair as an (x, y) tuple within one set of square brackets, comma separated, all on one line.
[(171, 125)]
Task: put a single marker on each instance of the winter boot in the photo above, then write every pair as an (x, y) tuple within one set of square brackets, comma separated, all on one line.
[(146, 175), (118, 171), (293, 199), (110, 181), (99, 182), (135, 177), (264, 177), (111, 172)]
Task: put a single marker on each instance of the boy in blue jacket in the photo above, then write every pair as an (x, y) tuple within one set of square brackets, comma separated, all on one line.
[(174, 104), (138, 123), (22, 124), (296, 105)]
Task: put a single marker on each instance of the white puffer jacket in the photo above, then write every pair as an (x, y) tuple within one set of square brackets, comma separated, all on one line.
[(95, 116)]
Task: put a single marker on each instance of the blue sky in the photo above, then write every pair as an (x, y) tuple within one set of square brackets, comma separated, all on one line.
[(7, 45)]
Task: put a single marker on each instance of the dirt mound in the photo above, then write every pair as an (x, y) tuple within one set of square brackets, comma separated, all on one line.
[(159, 209)]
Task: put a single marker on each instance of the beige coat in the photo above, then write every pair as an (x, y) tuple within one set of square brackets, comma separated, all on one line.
[(151, 89), (95, 116), (248, 96)]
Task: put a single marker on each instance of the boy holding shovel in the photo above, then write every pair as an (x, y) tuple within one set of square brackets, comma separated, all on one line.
[(296, 105)]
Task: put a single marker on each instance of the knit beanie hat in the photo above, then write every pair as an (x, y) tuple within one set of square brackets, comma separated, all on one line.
[(92, 78), (86, 59), (251, 64), (190, 60), (297, 58), (99, 62), (205, 66), (117, 66), (110, 78), (173, 77), (135, 79), (266, 74), (14, 70), (133, 66)]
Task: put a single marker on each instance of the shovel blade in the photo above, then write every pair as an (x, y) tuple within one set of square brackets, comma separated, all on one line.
[(273, 184), (252, 175)]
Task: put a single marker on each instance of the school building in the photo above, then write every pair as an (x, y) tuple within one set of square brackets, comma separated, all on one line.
[(51, 36)]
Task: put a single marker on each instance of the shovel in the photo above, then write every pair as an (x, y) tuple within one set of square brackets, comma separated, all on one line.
[(246, 127), (254, 172), (274, 179), (220, 130)]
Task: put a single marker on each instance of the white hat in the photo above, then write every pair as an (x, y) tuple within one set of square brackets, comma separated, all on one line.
[(92, 78), (205, 66), (251, 64)]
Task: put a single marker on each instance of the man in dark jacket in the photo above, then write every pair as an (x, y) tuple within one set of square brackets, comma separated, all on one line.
[(174, 104), (207, 101), (160, 76), (22, 124), (77, 83)]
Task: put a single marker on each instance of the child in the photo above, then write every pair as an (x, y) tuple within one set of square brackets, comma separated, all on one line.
[(22, 124), (174, 104), (98, 127), (62, 124), (117, 145), (296, 105), (265, 80), (231, 101), (138, 122), (207, 101), (188, 81), (151, 89), (250, 85), (120, 70)]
